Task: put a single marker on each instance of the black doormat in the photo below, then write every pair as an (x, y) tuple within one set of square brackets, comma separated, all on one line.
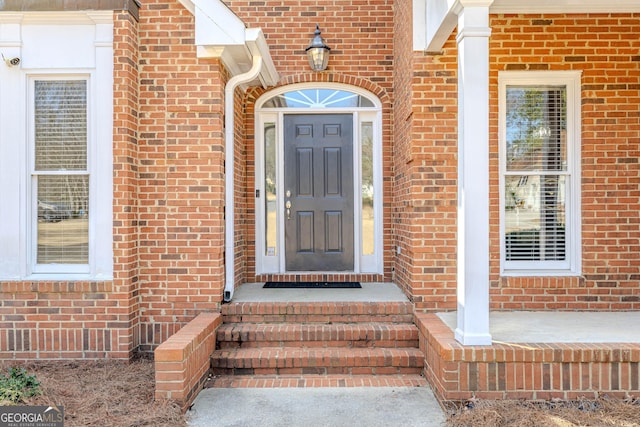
[(272, 285)]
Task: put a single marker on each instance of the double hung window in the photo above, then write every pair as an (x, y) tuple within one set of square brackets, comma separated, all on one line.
[(540, 169), (60, 176)]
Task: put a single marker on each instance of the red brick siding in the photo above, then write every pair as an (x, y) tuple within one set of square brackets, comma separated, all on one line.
[(606, 49), (426, 182), (181, 170)]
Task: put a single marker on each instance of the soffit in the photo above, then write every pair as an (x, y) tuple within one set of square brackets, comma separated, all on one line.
[(220, 33)]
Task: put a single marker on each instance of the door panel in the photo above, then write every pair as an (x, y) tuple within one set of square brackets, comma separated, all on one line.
[(318, 170)]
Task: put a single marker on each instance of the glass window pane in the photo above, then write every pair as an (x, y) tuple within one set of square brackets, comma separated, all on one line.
[(368, 219), (270, 174), (61, 125), (63, 218), (535, 223), (318, 98), (536, 127)]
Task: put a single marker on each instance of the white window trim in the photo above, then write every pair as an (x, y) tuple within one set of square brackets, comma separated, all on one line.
[(276, 264), (571, 81), (93, 59)]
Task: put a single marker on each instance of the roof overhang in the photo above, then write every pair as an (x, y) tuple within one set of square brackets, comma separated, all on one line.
[(220, 33), (435, 20)]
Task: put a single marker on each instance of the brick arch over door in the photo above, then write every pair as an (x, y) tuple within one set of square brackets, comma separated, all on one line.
[(254, 93), (248, 102)]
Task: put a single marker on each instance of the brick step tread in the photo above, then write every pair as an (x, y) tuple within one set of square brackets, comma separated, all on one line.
[(329, 360), (317, 312), (244, 335), (288, 381)]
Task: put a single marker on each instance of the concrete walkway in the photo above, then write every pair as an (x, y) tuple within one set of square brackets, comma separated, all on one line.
[(316, 407)]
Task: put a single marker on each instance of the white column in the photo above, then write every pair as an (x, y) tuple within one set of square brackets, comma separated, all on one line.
[(473, 174)]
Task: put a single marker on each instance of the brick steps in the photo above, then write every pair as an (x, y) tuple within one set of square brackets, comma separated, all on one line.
[(271, 381), (283, 360), (318, 312), (351, 335), (317, 344)]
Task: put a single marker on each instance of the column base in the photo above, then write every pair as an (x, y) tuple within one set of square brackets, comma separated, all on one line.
[(472, 339)]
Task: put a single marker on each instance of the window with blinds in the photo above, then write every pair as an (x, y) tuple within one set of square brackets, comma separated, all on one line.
[(60, 174), (536, 174)]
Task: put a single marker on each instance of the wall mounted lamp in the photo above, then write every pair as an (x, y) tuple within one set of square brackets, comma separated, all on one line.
[(318, 52)]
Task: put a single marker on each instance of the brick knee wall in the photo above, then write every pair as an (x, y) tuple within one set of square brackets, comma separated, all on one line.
[(182, 362), (525, 371)]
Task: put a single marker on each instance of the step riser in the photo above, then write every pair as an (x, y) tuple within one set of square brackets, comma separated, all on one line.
[(225, 345), (380, 370), (321, 312), (317, 318), (271, 360), (315, 336)]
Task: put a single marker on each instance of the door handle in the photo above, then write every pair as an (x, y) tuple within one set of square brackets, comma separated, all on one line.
[(288, 206)]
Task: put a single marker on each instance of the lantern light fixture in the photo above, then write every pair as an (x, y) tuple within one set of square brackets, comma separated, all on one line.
[(318, 52)]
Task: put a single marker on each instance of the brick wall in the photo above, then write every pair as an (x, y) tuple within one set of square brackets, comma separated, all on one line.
[(402, 139), (606, 49), (426, 162), (181, 171), (360, 35)]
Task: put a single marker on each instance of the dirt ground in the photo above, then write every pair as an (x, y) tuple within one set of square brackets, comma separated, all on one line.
[(120, 394)]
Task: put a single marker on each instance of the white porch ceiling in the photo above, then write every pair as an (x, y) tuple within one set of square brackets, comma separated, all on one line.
[(435, 20)]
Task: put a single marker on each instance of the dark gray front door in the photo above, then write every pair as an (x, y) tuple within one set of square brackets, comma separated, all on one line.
[(318, 179)]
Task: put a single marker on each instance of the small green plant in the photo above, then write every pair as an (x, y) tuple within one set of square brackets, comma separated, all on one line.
[(17, 385)]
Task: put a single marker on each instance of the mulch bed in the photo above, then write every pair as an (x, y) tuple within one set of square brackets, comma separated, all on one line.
[(121, 394), (102, 393), (556, 413)]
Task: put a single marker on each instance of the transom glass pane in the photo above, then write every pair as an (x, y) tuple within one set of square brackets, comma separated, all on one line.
[(318, 98)]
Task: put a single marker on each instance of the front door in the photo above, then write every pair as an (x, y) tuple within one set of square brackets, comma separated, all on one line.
[(318, 185)]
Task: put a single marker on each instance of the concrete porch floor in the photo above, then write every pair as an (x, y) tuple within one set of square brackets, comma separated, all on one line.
[(505, 327)]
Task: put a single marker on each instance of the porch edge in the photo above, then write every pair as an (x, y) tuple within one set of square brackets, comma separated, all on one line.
[(524, 370)]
